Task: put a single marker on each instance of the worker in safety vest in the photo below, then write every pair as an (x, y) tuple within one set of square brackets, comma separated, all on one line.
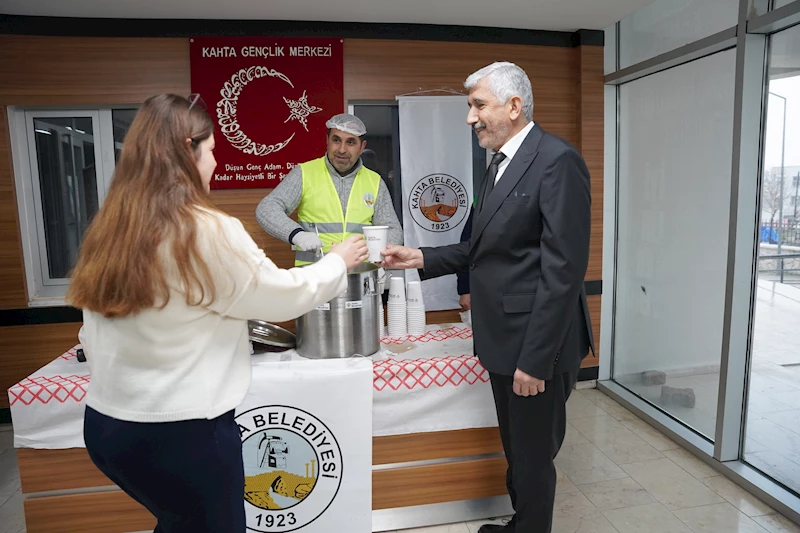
[(336, 195)]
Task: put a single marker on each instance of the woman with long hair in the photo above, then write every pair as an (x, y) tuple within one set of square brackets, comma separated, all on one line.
[(167, 283)]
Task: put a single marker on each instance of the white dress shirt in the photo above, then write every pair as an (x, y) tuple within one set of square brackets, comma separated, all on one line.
[(510, 149)]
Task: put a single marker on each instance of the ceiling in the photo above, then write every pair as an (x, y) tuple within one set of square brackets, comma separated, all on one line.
[(561, 15)]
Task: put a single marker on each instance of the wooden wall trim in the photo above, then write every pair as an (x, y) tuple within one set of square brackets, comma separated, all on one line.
[(439, 445), (25, 349), (48, 71), (13, 284), (114, 511), (436, 445), (114, 27), (100, 512), (48, 470), (591, 144), (590, 141), (422, 485)]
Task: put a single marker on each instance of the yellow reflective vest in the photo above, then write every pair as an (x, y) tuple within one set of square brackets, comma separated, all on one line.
[(321, 212)]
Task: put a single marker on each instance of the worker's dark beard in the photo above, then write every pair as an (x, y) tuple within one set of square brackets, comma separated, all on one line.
[(346, 172)]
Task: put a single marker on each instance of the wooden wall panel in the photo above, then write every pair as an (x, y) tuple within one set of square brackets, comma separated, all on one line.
[(436, 445), (12, 269), (25, 349), (381, 70), (102, 512), (115, 512), (48, 470), (90, 70), (421, 485), (242, 205), (590, 143), (443, 317)]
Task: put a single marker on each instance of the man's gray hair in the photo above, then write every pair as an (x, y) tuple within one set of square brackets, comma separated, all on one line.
[(506, 81)]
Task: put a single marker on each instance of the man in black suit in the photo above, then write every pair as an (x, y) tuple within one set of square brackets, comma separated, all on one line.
[(527, 257)]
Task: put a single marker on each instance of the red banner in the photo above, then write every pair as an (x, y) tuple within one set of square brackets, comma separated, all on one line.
[(269, 99)]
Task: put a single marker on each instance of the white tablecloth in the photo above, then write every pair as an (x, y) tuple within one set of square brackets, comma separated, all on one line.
[(421, 383)]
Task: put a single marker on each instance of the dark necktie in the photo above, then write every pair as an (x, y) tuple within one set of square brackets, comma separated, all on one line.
[(491, 174)]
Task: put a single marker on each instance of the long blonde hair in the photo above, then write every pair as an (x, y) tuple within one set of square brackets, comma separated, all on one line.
[(156, 194)]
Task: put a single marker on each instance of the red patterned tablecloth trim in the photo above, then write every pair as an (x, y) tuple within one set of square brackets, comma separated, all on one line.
[(46, 389), (70, 354), (453, 370), (392, 373), (434, 335)]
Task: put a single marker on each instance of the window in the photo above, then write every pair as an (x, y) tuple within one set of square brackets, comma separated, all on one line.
[(665, 25), (382, 154), (383, 148), (672, 230), (63, 162), (121, 120), (773, 401)]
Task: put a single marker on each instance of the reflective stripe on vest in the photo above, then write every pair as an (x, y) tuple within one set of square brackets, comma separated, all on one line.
[(320, 209), (332, 227)]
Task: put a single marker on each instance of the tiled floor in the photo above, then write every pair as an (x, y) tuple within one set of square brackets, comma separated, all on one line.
[(616, 475)]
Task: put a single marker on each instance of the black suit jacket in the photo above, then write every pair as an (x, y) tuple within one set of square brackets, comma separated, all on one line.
[(527, 258)]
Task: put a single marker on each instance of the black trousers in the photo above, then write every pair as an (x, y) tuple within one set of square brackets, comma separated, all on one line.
[(532, 430), (189, 474)]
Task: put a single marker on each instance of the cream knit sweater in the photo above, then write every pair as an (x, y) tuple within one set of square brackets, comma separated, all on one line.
[(186, 362)]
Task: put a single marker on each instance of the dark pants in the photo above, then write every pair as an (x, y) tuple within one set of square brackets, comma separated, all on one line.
[(532, 430), (189, 474)]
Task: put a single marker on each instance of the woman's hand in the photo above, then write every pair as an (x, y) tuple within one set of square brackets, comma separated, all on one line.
[(353, 250)]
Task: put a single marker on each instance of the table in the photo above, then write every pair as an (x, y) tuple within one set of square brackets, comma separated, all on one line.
[(435, 443), (425, 383)]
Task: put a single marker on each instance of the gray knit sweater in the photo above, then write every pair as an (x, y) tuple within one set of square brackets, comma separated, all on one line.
[(274, 209)]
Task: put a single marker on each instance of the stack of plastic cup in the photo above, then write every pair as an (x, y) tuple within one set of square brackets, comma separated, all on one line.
[(415, 308), (397, 308)]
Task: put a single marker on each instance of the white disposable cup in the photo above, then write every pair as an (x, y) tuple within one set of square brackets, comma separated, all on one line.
[(377, 238), (414, 293), (397, 290)]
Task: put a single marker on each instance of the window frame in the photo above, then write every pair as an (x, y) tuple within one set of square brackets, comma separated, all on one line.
[(43, 290)]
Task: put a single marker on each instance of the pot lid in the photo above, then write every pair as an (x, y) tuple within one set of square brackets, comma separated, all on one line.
[(270, 334)]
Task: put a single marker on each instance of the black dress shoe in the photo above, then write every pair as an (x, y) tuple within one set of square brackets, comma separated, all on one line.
[(495, 528)]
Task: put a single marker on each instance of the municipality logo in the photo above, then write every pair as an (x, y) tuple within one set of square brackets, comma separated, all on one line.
[(292, 468), (369, 200), (438, 202)]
